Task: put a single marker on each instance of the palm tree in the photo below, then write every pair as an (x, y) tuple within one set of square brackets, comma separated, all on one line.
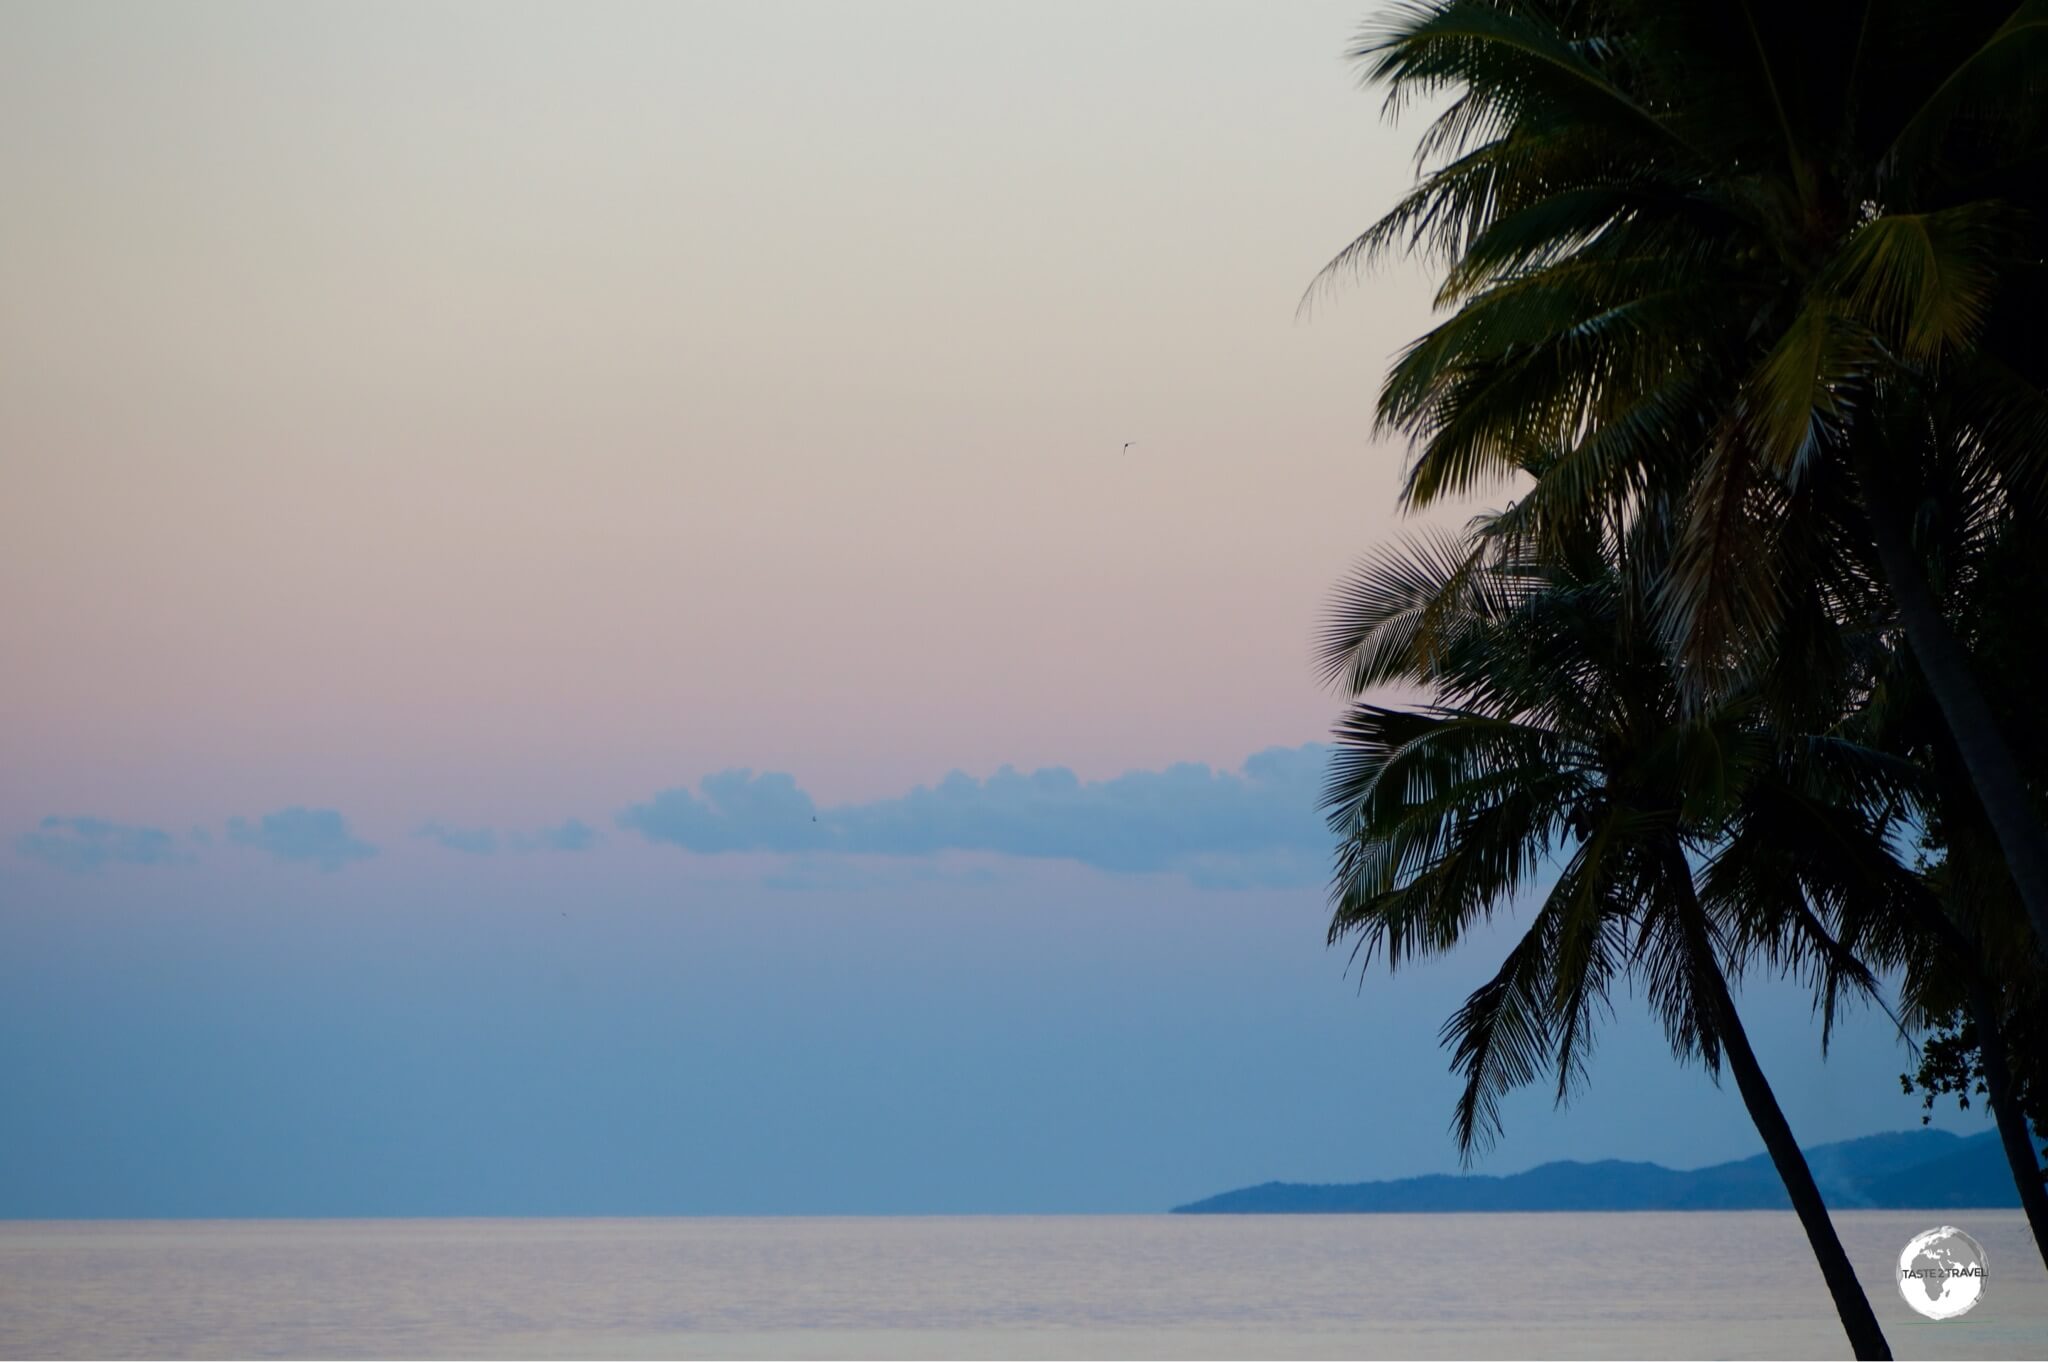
[(1710, 252), (1557, 738)]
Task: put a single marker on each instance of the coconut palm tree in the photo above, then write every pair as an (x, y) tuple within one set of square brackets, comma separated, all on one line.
[(1556, 746), (1709, 252)]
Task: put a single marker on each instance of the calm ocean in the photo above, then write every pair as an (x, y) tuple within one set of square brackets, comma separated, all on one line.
[(1648, 1285)]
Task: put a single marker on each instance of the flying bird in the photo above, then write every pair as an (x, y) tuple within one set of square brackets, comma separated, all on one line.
[(1128, 444)]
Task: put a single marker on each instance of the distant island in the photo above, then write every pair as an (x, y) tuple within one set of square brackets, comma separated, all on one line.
[(1913, 1169)]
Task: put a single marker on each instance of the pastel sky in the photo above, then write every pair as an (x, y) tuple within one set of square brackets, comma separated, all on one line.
[(580, 634)]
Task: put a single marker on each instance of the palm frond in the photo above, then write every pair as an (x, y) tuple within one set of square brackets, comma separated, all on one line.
[(1925, 280)]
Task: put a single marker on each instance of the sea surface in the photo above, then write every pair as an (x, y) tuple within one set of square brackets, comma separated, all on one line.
[(1737, 1284)]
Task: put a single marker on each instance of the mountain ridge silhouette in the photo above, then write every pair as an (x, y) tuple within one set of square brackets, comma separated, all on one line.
[(1896, 1170)]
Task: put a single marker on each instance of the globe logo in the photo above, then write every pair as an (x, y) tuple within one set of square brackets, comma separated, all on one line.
[(1941, 1272)]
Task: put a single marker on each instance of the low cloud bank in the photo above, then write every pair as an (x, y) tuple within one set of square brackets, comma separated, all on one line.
[(1254, 826), (1257, 825), (83, 844), (316, 836)]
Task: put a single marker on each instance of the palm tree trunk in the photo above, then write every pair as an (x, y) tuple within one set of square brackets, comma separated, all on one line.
[(1859, 1321), (1994, 772), (2012, 1122)]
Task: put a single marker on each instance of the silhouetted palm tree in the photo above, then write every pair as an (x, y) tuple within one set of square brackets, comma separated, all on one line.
[(1557, 745), (1709, 252)]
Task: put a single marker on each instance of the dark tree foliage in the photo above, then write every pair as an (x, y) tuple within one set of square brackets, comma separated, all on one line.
[(1952, 1063)]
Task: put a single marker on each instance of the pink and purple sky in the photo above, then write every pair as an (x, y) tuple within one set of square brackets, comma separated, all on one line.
[(444, 445), (468, 412)]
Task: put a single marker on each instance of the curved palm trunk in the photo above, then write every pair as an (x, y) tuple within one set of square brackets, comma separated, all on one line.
[(1859, 1321), (2012, 1122), (1994, 772)]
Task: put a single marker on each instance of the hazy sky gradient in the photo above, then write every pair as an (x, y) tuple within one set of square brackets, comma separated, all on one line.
[(506, 403), (431, 433)]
